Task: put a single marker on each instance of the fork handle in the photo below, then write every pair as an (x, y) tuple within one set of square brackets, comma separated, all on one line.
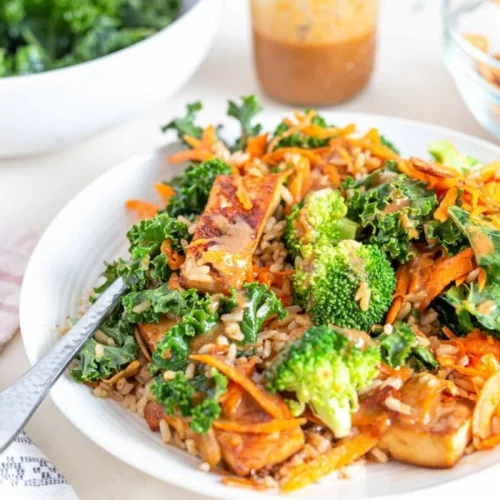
[(21, 399)]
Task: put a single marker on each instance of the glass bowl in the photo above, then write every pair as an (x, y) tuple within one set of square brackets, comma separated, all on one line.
[(472, 55)]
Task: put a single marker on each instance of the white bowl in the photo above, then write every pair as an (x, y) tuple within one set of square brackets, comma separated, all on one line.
[(50, 110), (67, 262)]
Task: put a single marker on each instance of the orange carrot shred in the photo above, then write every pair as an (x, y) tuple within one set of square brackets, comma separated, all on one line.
[(394, 309), (276, 425), (165, 191), (449, 333), (481, 279), (273, 405), (450, 198), (174, 259), (345, 453), (144, 209), (256, 146)]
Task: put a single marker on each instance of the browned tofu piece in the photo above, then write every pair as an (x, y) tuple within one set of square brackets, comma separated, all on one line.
[(243, 453), (434, 435), (220, 255), (152, 333)]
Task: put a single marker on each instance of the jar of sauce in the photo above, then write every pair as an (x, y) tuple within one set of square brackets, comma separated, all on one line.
[(314, 52)]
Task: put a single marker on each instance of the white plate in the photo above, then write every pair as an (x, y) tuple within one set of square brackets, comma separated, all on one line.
[(67, 263)]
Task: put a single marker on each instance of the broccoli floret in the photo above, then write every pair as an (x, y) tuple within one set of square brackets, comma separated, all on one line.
[(325, 371), (392, 214), (445, 153), (349, 285), (319, 219)]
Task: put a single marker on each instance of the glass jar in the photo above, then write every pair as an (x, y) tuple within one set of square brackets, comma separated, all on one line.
[(314, 52)]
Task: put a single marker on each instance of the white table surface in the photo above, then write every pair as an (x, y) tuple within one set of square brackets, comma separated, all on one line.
[(409, 81)]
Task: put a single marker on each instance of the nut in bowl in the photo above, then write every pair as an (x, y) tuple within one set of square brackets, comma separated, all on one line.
[(52, 109), (472, 55)]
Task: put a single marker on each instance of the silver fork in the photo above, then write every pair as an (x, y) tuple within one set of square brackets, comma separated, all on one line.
[(19, 401)]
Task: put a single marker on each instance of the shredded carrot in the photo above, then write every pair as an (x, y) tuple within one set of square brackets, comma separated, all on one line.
[(202, 149), (174, 284), (461, 280), (129, 371), (489, 442), (174, 259), (300, 182), (402, 280), (256, 146), (144, 209), (445, 272), (243, 482), (481, 279), (279, 155), (448, 333), (450, 198), (333, 174), (242, 194), (373, 136), (394, 309), (165, 191), (345, 453), (273, 405), (270, 427)]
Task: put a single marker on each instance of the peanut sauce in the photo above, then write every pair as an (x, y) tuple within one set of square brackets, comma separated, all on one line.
[(317, 52)]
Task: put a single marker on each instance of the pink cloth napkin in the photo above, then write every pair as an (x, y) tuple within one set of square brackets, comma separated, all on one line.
[(15, 249)]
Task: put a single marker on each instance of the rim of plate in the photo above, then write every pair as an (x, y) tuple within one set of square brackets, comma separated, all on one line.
[(178, 475)]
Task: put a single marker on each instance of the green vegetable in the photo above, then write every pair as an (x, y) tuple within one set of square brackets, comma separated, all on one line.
[(447, 234), (325, 371), (97, 361), (147, 266), (386, 142), (484, 240), (260, 304), (392, 214), (40, 35), (319, 219), (327, 280), (195, 314), (299, 139), (192, 189), (472, 308), (445, 153), (402, 347), (245, 114), (181, 396), (185, 125)]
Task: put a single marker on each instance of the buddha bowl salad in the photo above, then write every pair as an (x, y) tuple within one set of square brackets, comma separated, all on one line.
[(305, 298)]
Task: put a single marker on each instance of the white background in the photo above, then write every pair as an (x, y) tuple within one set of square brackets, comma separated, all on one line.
[(410, 81)]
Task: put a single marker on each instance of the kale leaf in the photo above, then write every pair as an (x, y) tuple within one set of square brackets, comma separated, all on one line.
[(181, 396), (447, 234), (185, 125), (192, 189), (386, 142), (245, 114), (473, 308), (98, 361), (392, 213), (401, 347), (260, 304), (147, 264), (484, 240), (42, 35)]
